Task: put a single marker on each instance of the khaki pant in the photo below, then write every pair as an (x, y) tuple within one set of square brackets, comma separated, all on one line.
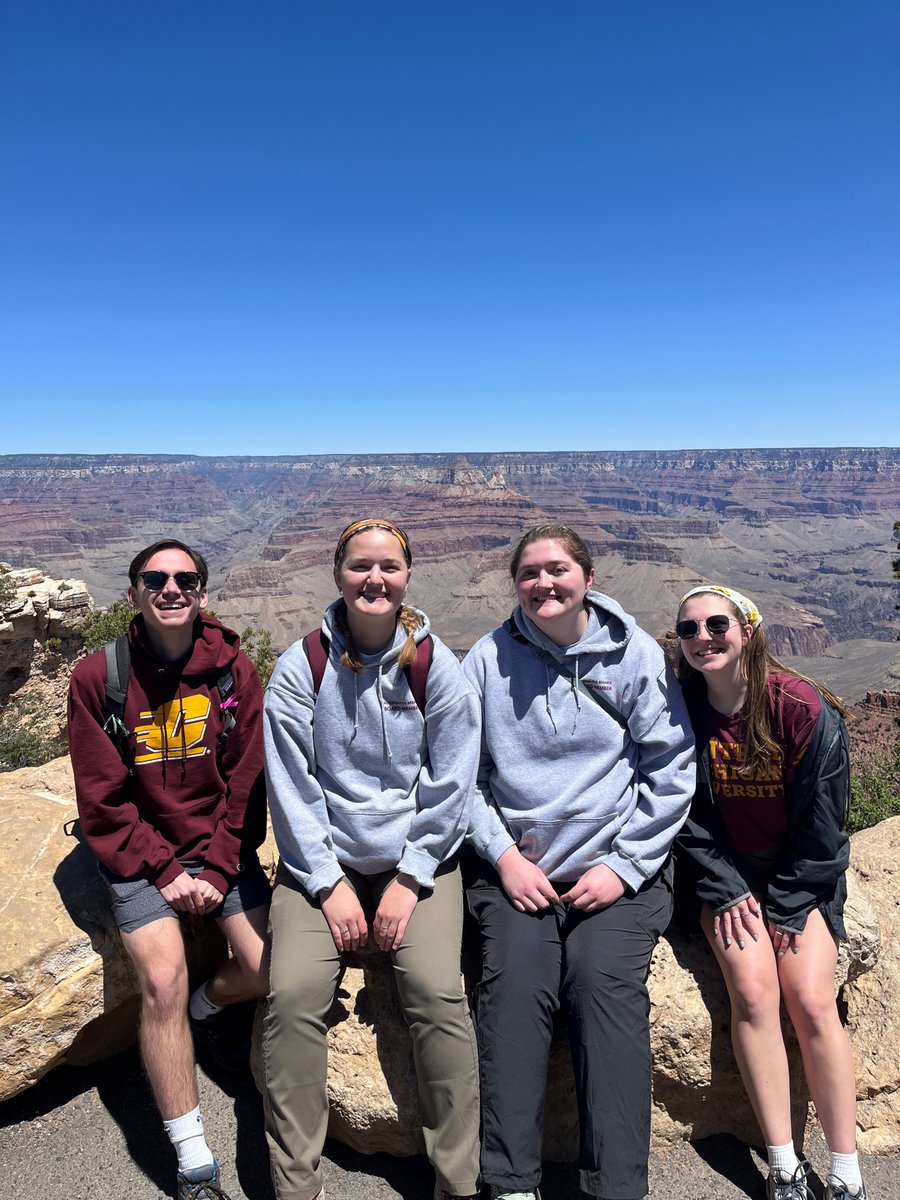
[(306, 969)]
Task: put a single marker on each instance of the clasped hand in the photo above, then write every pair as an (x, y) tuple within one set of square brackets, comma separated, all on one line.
[(347, 921), (189, 895)]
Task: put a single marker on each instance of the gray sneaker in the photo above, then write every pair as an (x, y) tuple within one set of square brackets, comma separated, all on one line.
[(202, 1183), (836, 1189), (780, 1186), (499, 1194)]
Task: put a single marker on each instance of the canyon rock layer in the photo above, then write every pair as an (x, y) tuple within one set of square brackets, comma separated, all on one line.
[(807, 533)]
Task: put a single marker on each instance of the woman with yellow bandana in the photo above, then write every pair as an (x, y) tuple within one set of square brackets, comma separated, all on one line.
[(766, 844)]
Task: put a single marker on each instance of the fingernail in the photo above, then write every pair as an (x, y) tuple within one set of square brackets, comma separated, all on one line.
[(795, 949), (781, 954), (755, 936), (728, 941), (740, 944)]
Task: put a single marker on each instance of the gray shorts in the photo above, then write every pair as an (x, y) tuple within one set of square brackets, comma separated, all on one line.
[(137, 902)]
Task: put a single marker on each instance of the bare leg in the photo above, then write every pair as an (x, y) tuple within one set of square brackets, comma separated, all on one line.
[(807, 985), (157, 951), (751, 976), (245, 975)]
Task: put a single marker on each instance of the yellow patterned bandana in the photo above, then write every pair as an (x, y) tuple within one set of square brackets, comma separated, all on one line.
[(747, 607), (373, 523)]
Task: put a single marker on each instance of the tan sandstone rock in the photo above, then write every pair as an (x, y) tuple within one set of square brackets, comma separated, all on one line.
[(873, 999), (68, 996)]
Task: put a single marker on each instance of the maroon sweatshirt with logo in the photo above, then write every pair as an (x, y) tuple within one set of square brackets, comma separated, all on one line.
[(183, 798)]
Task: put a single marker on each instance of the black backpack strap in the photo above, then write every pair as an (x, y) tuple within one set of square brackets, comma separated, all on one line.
[(417, 671), (597, 696), (227, 704), (316, 646), (118, 668)]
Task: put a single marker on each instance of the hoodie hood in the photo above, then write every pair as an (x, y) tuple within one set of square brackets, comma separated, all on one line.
[(383, 658), (379, 662), (215, 647), (609, 629)]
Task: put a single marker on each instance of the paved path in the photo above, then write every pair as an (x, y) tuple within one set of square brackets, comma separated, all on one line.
[(93, 1134)]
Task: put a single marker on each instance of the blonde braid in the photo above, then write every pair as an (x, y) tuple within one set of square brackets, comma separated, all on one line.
[(411, 622)]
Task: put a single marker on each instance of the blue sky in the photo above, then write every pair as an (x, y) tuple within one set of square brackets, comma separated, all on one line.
[(291, 228)]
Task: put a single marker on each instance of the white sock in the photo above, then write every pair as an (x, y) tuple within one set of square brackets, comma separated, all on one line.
[(783, 1159), (845, 1167), (201, 1006), (186, 1135)]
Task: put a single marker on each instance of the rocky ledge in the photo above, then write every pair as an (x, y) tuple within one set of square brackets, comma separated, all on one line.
[(67, 996)]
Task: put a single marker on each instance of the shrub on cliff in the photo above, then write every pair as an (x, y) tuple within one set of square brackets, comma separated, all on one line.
[(106, 625), (257, 645), (875, 790), (20, 746), (7, 587)]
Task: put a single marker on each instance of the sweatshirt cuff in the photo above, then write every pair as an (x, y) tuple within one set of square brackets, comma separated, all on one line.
[(498, 845), (325, 877), (216, 878), (626, 871), (172, 871), (420, 865)]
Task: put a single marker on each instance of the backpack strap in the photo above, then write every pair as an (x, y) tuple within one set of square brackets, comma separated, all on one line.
[(118, 668), (316, 647), (417, 671), (228, 702), (510, 627)]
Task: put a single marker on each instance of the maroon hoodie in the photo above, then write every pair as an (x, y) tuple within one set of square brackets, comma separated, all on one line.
[(182, 799)]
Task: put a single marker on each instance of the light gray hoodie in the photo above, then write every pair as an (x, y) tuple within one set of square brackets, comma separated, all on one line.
[(559, 777), (356, 777)]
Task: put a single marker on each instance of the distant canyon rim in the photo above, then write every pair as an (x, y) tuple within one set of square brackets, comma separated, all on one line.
[(806, 532)]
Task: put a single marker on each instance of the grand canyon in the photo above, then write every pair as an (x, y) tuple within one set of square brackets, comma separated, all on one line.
[(807, 533)]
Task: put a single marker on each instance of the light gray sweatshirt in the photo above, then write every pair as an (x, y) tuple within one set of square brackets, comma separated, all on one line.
[(559, 777), (356, 777)]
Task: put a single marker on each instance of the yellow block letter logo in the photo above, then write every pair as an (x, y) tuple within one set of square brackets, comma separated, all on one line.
[(173, 731)]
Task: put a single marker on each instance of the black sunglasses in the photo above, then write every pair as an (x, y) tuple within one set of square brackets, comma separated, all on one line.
[(155, 581), (715, 626)]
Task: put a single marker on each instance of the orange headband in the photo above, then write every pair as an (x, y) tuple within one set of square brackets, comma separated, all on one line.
[(372, 523)]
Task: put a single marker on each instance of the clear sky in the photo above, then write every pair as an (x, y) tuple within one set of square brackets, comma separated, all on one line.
[(324, 227)]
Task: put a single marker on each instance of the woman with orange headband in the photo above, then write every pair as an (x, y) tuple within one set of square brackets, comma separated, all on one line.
[(372, 743), (766, 844)]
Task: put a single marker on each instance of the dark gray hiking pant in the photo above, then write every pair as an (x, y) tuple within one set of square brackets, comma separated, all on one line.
[(595, 966)]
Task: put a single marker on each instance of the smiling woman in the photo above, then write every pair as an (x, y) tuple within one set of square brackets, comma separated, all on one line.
[(369, 774), (767, 850), (586, 774)]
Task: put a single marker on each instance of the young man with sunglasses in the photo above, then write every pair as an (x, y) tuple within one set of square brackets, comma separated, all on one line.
[(174, 809)]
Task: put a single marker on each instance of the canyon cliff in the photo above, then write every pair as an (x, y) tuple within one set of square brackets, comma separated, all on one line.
[(807, 533)]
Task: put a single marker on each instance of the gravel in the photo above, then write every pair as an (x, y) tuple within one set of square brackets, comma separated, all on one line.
[(92, 1133)]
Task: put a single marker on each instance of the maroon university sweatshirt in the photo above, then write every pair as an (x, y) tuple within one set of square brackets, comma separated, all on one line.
[(183, 798)]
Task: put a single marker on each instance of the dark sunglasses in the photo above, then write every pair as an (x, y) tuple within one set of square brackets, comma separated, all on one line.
[(715, 627), (155, 581)]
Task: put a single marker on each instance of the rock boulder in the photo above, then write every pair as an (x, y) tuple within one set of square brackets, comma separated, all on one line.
[(67, 995)]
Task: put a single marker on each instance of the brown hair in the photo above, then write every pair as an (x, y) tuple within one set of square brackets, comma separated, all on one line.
[(760, 748), (406, 616), (144, 556), (575, 546)]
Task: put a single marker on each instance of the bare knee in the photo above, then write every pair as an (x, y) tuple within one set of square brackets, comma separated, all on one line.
[(812, 1009), (164, 990), (756, 1002)]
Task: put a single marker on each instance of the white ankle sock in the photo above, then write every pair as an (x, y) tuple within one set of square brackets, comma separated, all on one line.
[(846, 1168), (783, 1158), (201, 1006), (186, 1135)]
